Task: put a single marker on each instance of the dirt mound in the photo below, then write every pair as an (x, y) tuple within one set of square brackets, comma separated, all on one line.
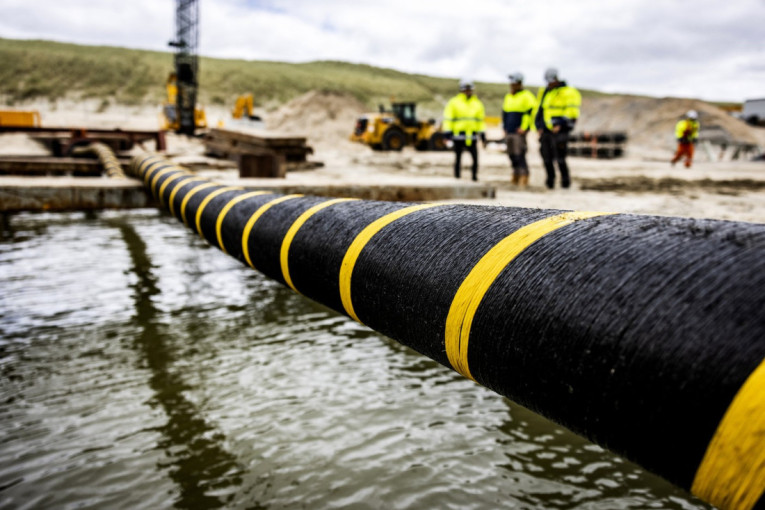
[(326, 118), (650, 122)]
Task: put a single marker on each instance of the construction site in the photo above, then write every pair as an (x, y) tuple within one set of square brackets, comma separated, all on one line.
[(640, 180), (614, 328)]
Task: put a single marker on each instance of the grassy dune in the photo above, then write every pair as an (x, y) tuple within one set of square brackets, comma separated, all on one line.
[(50, 70)]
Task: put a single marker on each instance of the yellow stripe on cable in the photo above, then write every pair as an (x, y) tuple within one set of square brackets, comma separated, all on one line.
[(175, 177), (151, 159), (732, 473), (251, 223), (150, 173), (153, 165), (148, 168), (477, 283), (138, 168), (290, 235), (146, 163), (178, 186), (191, 193), (156, 176), (358, 244), (226, 209), (207, 200)]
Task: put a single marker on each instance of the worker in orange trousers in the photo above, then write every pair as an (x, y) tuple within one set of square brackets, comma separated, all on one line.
[(686, 132)]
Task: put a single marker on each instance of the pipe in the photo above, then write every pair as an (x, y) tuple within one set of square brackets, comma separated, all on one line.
[(106, 156), (644, 334)]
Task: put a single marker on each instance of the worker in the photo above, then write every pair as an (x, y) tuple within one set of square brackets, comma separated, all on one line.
[(464, 124), (556, 113), (516, 121), (686, 132)]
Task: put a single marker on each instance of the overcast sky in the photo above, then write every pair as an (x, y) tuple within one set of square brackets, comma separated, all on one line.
[(709, 49)]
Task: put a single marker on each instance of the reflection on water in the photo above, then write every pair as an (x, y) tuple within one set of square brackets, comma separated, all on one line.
[(140, 368), (200, 467)]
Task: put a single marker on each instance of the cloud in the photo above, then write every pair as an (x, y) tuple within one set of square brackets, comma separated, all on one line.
[(137, 24), (711, 49)]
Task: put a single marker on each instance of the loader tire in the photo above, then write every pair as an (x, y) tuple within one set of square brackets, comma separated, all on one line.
[(438, 142), (422, 145), (393, 140)]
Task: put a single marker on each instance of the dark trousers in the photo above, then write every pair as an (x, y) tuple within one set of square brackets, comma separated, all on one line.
[(554, 147), (516, 149), (459, 146)]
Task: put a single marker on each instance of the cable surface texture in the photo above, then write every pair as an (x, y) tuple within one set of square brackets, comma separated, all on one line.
[(644, 334)]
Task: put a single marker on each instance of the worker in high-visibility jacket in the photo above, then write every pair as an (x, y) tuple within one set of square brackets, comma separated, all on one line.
[(464, 125), (555, 116), (516, 121), (687, 133)]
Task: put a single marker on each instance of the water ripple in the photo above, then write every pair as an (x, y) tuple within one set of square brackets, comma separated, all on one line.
[(143, 369)]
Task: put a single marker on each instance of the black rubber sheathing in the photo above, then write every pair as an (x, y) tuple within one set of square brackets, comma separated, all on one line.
[(407, 276), (633, 331), (315, 257)]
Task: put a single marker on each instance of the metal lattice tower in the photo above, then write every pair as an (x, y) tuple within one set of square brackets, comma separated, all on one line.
[(186, 62)]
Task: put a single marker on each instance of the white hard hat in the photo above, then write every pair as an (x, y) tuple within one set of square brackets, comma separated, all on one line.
[(692, 114), (466, 84), (551, 74), (516, 78)]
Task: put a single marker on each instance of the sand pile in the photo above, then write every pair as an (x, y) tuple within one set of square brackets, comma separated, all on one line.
[(650, 122), (326, 118), (94, 114)]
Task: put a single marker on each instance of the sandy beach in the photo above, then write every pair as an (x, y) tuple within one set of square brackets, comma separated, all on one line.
[(641, 182)]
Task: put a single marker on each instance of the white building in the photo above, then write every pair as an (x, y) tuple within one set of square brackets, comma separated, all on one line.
[(754, 111)]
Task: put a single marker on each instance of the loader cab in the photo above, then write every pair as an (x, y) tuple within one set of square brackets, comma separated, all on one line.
[(361, 126), (405, 113)]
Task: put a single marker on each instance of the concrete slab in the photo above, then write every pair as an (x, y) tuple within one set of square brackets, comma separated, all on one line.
[(398, 189), (87, 193), (48, 165), (71, 194)]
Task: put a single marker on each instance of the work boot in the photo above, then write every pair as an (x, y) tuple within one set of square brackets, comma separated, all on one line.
[(515, 179), (523, 180)]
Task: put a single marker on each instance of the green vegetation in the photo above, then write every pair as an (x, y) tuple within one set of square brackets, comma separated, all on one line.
[(51, 70), (41, 69)]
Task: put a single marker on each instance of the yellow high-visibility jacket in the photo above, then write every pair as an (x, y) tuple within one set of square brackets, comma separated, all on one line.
[(560, 106), (687, 129), (516, 110), (464, 117)]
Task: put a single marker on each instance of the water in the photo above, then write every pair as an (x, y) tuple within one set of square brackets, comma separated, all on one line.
[(141, 368)]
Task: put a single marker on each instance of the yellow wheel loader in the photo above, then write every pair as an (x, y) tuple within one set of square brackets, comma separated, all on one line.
[(244, 108), (395, 129)]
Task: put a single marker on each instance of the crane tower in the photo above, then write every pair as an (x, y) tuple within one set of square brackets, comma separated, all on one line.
[(186, 62)]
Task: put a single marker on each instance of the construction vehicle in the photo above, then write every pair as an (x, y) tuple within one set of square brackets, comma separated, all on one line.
[(17, 118), (171, 119), (180, 111), (244, 108), (393, 130)]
